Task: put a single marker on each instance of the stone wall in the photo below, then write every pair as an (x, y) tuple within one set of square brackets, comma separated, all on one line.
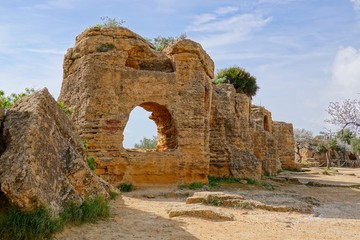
[(202, 129), (284, 134), (231, 148), (103, 87), (265, 143)]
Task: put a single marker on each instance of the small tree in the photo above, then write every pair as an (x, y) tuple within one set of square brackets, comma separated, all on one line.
[(345, 114), (242, 80), (303, 140), (147, 143), (7, 102)]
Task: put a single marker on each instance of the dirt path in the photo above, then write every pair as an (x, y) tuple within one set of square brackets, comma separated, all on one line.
[(143, 214)]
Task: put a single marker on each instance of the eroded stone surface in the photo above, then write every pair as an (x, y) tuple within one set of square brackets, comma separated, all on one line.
[(43, 164), (284, 133), (2, 144), (201, 212), (202, 129), (265, 201), (231, 147), (102, 88)]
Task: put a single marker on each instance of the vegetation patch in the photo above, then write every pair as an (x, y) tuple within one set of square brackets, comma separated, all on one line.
[(192, 186), (125, 187), (90, 160), (67, 111), (242, 80), (214, 202), (105, 47), (7, 102), (39, 223), (216, 181), (110, 22), (161, 42)]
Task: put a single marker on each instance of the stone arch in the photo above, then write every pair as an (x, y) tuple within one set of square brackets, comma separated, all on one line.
[(266, 123), (166, 130)]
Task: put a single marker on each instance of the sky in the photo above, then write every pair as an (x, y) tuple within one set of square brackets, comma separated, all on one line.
[(303, 53)]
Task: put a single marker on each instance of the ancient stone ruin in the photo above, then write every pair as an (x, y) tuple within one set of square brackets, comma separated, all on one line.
[(202, 129), (43, 161)]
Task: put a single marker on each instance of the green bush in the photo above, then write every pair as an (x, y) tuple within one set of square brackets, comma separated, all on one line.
[(125, 187), (240, 78), (105, 47), (192, 186), (39, 224), (7, 102)]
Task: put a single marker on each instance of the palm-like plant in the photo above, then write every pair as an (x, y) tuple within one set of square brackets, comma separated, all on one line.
[(240, 78)]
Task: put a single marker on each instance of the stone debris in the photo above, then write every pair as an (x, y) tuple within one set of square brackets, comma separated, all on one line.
[(44, 160)]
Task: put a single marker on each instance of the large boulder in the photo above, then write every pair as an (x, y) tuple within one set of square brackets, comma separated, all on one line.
[(44, 160)]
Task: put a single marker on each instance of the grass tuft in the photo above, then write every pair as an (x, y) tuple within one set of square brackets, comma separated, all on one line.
[(39, 224), (192, 186), (125, 187)]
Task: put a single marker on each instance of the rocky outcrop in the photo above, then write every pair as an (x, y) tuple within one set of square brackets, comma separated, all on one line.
[(102, 85), (43, 164), (231, 148)]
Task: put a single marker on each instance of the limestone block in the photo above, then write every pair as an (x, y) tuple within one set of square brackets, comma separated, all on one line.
[(43, 164)]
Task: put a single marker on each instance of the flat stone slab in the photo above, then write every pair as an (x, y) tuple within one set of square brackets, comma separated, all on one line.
[(266, 201), (201, 211)]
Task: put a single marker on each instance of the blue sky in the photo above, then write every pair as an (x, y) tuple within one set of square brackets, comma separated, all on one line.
[(304, 53)]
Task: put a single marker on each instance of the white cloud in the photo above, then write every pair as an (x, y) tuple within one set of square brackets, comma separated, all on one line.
[(225, 26), (226, 10), (346, 71), (356, 4)]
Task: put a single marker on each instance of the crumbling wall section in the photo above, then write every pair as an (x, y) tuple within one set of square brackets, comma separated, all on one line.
[(231, 149), (103, 87), (264, 142), (284, 134)]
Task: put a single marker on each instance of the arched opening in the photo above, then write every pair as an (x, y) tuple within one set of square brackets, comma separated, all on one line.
[(165, 128), (266, 123)]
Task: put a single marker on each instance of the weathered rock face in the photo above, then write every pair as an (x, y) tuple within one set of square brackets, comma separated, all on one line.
[(2, 144), (102, 87), (265, 143), (43, 163), (284, 134), (231, 149)]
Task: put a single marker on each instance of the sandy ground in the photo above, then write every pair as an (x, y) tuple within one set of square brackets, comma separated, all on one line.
[(142, 214)]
